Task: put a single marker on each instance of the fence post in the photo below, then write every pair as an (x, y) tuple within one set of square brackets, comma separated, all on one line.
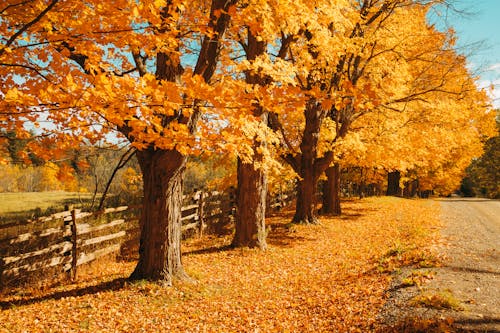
[(201, 221), (74, 256), (2, 265), (232, 205)]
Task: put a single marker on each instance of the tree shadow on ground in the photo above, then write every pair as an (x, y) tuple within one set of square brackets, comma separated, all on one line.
[(283, 236), (112, 285), (471, 270), (351, 213), (486, 324), (433, 325), (208, 250), (282, 232), (465, 199)]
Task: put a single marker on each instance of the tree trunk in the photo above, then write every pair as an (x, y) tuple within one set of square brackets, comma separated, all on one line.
[(251, 211), (331, 191), (309, 167), (362, 185), (251, 195), (393, 183), (411, 188), (160, 243), (304, 209)]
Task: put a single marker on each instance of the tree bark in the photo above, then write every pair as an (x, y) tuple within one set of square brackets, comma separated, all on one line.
[(309, 167), (393, 183), (251, 211), (163, 170), (160, 243), (251, 195), (362, 185), (411, 188), (331, 191), (304, 209)]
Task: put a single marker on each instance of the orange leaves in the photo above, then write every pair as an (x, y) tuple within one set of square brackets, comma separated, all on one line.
[(102, 64), (312, 279), (12, 95)]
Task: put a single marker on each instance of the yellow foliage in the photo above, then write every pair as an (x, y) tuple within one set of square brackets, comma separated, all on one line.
[(131, 181), (66, 175), (8, 178), (379, 71), (48, 178)]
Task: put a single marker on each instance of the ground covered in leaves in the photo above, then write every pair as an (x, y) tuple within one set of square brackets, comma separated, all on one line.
[(323, 278)]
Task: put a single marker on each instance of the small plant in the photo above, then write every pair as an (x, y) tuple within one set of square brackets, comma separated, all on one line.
[(439, 300), (396, 250), (85, 324), (417, 278), (389, 261)]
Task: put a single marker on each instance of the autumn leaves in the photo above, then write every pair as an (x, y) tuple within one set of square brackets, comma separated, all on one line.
[(310, 83)]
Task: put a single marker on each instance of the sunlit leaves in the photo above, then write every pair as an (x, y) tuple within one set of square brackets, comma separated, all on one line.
[(86, 77), (312, 279)]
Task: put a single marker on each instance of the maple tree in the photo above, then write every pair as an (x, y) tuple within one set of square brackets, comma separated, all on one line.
[(338, 60), (430, 81), (257, 33), (258, 78), (94, 67)]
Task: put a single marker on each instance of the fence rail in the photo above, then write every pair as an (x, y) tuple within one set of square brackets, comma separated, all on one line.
[(59, 243)]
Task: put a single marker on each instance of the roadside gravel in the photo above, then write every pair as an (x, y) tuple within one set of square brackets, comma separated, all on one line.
[(470, 273)]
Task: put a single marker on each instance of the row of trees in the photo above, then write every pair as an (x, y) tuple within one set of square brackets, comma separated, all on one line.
[(483, 175), (317, 84)]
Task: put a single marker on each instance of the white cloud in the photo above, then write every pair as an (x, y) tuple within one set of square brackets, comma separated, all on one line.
[(494, 67), (493, 93)]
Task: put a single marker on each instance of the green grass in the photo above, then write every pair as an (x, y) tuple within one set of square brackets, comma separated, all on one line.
[(438, 300), (22, 205), (417, 278)]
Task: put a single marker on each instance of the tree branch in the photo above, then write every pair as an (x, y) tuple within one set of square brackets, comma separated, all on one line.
[(121, 163), (28, 25), (27, 67), (14, 5)]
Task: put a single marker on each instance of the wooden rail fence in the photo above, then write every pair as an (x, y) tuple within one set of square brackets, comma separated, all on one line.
[(48, 246)]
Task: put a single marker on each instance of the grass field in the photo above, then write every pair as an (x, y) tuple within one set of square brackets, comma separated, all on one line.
[(26, 204)]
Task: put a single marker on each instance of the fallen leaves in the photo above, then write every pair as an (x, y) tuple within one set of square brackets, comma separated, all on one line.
[(319, 278)]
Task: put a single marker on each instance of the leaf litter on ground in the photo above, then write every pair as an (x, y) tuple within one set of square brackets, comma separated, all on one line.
[(330, 277)]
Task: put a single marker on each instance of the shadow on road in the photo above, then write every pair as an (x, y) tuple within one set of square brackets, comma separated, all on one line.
[(466, 199), (471, 270)]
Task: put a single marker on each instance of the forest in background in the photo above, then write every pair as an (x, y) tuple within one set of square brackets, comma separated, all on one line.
[(89, 169)]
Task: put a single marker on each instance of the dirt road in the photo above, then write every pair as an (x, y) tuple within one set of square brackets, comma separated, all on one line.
[(470, 273), (472, 270)]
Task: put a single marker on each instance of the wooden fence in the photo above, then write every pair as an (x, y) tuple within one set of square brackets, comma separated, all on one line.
[(49, 246)]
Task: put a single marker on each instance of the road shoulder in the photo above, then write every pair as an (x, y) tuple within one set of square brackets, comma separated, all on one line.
[(463, 294)]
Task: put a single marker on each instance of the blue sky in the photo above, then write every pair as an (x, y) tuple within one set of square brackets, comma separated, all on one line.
[(478, 33)]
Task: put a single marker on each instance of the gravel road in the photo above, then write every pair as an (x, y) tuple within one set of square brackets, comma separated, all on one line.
[(470, 271)]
